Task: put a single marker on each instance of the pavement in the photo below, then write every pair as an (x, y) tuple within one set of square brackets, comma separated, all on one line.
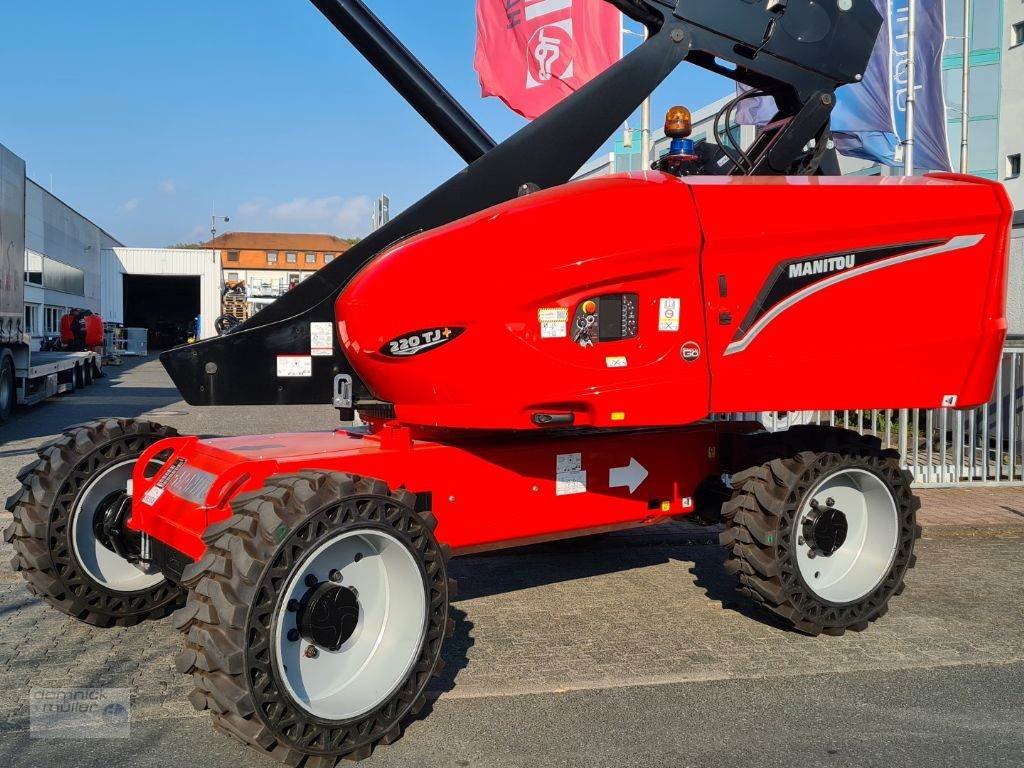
[(624, 649)]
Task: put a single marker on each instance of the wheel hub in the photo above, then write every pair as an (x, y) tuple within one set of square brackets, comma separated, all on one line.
[(825, 530), (110, 525), (327, 616)]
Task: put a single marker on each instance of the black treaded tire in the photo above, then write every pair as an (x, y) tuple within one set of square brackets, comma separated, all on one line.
[(41, 530), (232, 601), (761, 521), (8, 387)]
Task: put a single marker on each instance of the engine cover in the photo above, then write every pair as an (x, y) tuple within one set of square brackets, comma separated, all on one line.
[(643, 299)]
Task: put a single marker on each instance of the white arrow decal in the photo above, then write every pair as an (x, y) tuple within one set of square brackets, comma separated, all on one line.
[(627, 477)]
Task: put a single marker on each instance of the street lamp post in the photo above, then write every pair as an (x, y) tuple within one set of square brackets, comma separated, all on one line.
[(214, 218)]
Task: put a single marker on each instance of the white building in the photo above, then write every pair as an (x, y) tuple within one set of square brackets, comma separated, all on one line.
[(163, 290), (63, 267)]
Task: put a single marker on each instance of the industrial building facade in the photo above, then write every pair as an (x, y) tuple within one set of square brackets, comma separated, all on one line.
[(63, 262)]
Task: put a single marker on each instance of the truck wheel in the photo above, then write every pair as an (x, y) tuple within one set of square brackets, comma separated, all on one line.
[(88, 369), (68, 518), (8, 391), (316, 617), (823, 538), (80, 376)]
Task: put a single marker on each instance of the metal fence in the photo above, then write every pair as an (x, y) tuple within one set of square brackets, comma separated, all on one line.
[(941, 446)]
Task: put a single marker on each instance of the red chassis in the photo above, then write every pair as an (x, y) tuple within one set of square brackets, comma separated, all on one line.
[(532, 324), (484, 493)]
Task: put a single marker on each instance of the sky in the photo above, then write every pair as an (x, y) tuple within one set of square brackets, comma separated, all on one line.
[(148, 116)]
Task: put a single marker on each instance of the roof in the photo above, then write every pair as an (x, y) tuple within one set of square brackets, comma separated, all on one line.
[(277, 241)]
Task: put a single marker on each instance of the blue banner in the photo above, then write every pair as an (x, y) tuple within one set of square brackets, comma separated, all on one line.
[(862, 121), (931, 149), (869, 120)]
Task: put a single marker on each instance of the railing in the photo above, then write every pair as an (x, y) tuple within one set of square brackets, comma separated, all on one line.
[(941, 446)]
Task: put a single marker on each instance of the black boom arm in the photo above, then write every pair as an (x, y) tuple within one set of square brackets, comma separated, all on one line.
[(796, 51)]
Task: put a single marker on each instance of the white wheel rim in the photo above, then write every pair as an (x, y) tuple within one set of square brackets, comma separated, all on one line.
[(374, 661), (103, 565), (860, 564)]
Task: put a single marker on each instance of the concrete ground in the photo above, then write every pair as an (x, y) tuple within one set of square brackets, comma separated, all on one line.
[(624, 649)]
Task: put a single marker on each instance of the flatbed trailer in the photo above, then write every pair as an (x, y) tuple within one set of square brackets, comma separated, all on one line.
[(46, 374)]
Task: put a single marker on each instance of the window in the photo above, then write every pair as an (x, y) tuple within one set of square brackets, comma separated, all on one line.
[(233, 256), (1017, 34), (984, 94), (311, 258), (232, 277), (271, 257), (328, 258), (986, 32), (52, 316), (63, 277), (30, 317), (33, 268), (290, 258), (1013, 166)]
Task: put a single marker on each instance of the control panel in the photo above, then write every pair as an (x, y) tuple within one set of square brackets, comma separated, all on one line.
[(611, 317)]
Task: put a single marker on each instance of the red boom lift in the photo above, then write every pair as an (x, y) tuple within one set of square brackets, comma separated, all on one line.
[(530, 369)]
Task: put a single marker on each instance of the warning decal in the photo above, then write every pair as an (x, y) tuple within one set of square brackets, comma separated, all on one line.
[(553, 322), (668, 314), (553, 315), (570, 477), (321, 339), (294, 366), (553, 330), (150, 497)]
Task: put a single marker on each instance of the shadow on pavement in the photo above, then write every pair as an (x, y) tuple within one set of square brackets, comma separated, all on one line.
[(522, 568), (105, 397)]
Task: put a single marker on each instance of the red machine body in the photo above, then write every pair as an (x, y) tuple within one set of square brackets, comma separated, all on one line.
[(780, 303), (735, 294), (485, 492)]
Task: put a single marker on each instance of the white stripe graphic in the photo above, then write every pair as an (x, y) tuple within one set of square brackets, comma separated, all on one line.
[(544, 7), (956, 244)]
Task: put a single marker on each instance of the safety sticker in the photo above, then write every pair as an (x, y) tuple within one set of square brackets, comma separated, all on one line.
[(553, 330), (618, 361), (321, 339), (294, 366), (570, 477), (949, 401), (668, 314), (553, 315), (150, 497)]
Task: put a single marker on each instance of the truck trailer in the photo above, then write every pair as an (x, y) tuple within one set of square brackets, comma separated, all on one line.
[(27, 377)]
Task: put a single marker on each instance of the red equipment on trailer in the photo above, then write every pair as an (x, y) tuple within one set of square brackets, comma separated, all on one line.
[(529, 369)]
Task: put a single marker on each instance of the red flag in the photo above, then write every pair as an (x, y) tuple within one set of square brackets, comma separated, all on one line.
[(533, 53)]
